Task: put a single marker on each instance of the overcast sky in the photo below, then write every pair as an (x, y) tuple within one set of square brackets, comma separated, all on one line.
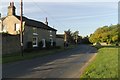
[(85, 16)]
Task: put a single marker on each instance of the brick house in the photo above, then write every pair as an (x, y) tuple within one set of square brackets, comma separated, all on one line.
[(34, 31)]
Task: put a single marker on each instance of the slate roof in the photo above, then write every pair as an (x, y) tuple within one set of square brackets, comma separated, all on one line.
[(34, 23)]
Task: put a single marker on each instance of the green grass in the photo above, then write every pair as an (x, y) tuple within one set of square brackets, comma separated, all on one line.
[(105, 64), (34, 54)]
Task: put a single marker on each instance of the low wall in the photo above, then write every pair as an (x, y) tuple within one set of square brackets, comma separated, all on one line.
[(59, 42)]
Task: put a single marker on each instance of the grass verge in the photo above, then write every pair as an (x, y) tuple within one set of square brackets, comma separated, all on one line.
[(34, 54), (105, 64)]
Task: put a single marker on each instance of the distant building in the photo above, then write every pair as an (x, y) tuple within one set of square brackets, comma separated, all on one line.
[(60, 39), (33, 31)]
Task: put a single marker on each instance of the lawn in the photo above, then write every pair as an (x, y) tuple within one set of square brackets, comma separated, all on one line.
[(105, 65), (34, 54)]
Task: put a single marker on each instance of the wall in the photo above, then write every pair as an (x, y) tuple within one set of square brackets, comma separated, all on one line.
[(59, 42), (10, 44)]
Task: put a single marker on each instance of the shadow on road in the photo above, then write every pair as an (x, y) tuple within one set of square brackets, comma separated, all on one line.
[(22, 68)]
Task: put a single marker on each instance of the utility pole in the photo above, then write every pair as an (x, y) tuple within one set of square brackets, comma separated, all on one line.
[(21, 31)]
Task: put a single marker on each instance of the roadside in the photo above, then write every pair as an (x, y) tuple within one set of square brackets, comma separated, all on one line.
[(105, 65), (33, 54)]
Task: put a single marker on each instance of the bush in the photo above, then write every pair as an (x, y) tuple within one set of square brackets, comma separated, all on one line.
[(54, 44), (29, 47), (40, 44), (48, 44)]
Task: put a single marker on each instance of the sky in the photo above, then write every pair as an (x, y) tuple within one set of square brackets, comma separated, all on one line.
[(83, 16)]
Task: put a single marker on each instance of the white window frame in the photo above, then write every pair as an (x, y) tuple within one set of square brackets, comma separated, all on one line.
[(17, 27), (51, 41), (44, 43), (35, 35), (36, 41)]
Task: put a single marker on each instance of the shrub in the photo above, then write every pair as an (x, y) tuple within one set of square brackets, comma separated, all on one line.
[(54, 44), (40, 44), (29, 47), (48, 44)]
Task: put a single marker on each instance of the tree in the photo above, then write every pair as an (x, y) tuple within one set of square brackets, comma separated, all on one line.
[(75, 36), (68, 35), (108, 34)]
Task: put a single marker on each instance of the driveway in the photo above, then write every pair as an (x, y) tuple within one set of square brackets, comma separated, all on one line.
[(65, 64)]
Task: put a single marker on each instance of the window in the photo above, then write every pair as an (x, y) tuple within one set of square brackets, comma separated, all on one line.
[(51, 41), (35, 41), (17, 27), (34, 30), (50, 31)]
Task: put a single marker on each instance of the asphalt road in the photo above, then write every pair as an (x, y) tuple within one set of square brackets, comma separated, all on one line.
[(61, 65)]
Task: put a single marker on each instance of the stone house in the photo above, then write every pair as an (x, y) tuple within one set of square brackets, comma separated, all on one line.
[(33, 31)]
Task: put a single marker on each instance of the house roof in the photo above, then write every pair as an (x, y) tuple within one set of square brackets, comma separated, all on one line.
[(2, 18), (34, 23)]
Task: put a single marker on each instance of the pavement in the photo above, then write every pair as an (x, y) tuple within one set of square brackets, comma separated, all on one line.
[(67, 64)]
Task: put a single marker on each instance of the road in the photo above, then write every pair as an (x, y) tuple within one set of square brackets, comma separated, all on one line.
[(65, 64)]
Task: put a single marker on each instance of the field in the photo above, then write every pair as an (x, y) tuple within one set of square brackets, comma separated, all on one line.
[(105, 65)]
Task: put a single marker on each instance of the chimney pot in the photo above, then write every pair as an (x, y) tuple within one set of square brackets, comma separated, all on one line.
[(10, 3), (46, 21)]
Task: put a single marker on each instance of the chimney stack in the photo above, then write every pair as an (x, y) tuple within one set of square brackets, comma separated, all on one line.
[(11, 9), (46, 22)]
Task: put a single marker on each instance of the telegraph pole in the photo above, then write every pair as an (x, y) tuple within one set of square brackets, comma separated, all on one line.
[(21, 31)]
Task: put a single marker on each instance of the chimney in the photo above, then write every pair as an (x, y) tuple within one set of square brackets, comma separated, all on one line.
[(46, 22), (12, 4), (0, 15), (11, 9)]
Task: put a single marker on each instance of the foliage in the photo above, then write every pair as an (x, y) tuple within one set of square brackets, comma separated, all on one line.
[(105, 64), (48, 44), (69, 36), (40, 44), (72, 37), (29, 45), (108, 34), (75, 36)]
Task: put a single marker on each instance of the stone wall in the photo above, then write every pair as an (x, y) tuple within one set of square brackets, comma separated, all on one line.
[(59, 42), (10, 44)]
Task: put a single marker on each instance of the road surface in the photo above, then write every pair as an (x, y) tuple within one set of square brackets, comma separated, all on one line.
[(65, 64)]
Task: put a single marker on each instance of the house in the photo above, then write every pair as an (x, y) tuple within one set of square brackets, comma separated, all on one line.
[(33, 31)]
